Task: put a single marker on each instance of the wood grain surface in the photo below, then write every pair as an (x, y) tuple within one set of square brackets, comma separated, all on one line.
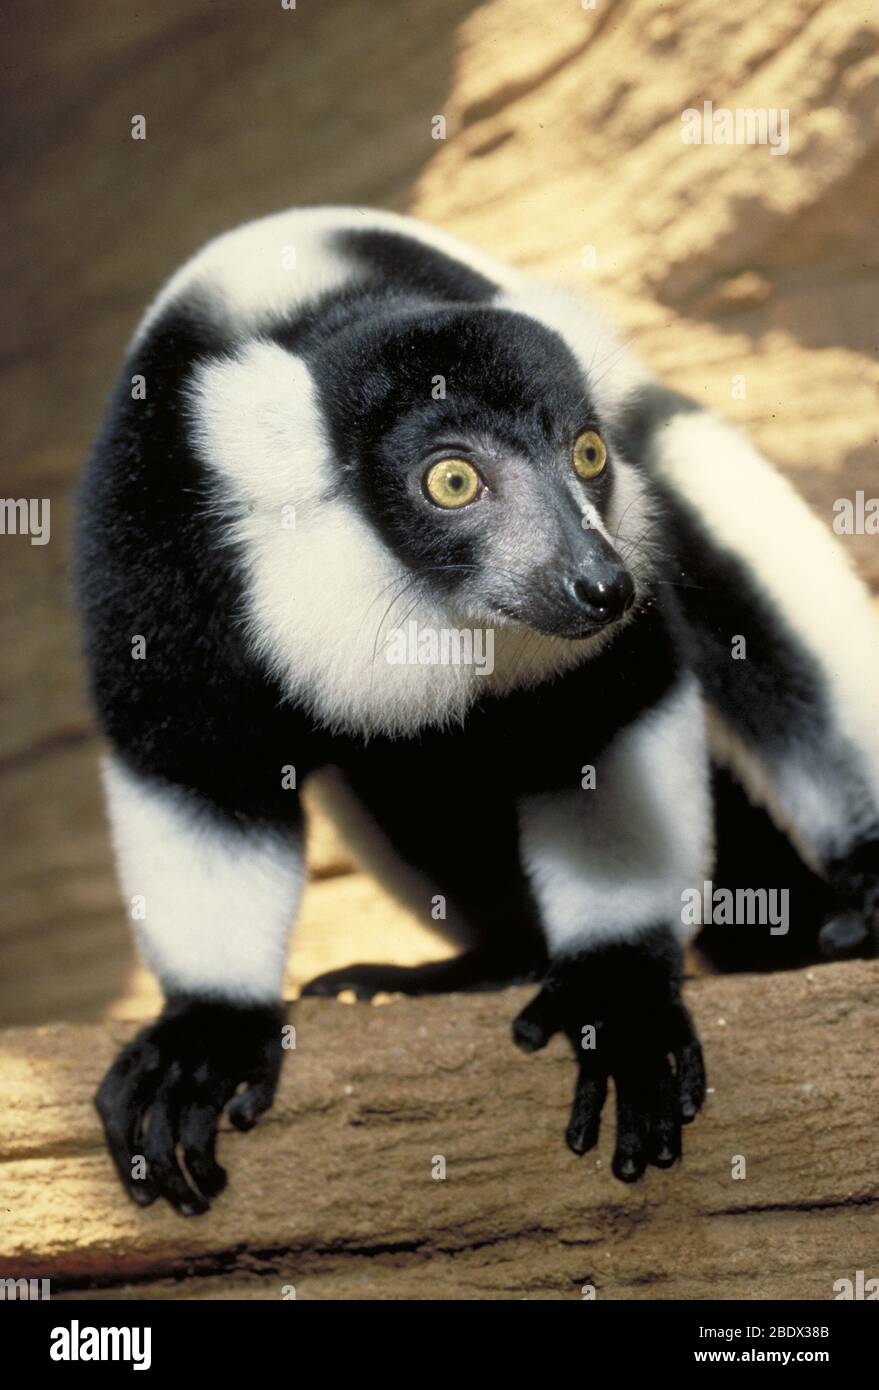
[(333, 1192)]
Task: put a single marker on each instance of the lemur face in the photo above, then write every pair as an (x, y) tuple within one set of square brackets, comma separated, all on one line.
[(476, 452)]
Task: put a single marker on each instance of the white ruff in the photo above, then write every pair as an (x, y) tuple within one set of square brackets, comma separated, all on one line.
[(277, 263)]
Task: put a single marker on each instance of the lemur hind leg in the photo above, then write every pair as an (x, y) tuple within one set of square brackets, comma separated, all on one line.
[(482, 968), (753, 851), (855, 879), (786, 644)]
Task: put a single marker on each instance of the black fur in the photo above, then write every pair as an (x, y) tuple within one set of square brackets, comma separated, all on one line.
[(206, 718), (397, 263), (644, 1039)]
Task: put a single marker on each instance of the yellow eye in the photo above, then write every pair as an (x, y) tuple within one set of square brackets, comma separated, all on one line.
[(452, 483), (590, 455)]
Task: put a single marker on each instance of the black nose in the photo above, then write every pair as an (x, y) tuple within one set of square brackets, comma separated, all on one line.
[(604, 596)]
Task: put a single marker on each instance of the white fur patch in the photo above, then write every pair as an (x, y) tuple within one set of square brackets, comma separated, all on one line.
[(212, 908), (277, 263), (323, 594), (609, 862), (755, 513)]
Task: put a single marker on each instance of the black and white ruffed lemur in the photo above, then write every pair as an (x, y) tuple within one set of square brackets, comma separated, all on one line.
[(348, 422)]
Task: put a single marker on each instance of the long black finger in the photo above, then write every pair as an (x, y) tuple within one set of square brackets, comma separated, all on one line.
[(664, 1145), (198, 1140), (121, 1100), (633, 1128), (589, 1097), (538, 1022), (254, 1100), (690, 1080), (161, 1151)]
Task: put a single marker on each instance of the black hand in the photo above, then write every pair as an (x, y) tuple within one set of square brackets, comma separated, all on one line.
[(169, 1086), (644, 1039)]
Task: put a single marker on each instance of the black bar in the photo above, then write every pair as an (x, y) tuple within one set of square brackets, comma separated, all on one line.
[(262, 1337)]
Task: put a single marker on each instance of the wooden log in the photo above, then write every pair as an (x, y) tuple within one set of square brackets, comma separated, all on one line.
[(333, 1193)]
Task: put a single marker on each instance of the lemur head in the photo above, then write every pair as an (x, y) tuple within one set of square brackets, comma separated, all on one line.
[(471, 440), (448, 466)]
